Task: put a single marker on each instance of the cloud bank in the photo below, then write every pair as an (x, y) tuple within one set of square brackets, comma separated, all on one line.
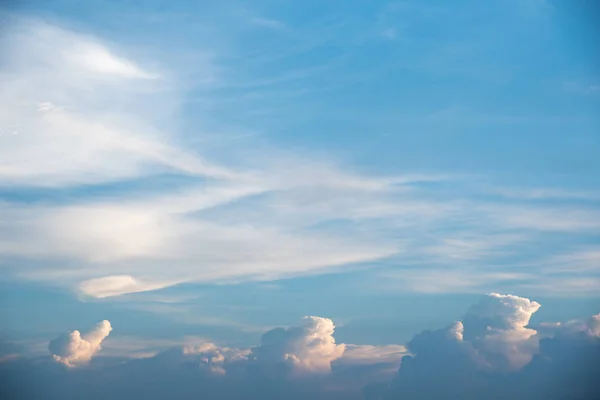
[(490, 353)]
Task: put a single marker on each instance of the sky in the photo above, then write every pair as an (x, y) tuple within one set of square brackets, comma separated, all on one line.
[(234, 178)]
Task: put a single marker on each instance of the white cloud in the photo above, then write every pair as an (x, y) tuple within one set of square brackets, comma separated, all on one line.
[(456, 331), (309, 347), (98, 59), (445, 359), (505, 311), (79, 55), (306, 348), (493, 335), (81, 114), (215, 357), (471, 358), (73, 349), (136, 238), (117, 285), (497, 325)]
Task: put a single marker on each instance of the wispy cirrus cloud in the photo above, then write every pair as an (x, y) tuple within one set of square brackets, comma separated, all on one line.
[(242, 212), (67, 138)]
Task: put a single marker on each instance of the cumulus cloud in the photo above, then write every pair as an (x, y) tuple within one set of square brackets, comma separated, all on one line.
[(589, 328), (309, 347), (456, 331), (73, 349), (304, 361), (297, 362), (497, 327), (493, 352), (493, 334)]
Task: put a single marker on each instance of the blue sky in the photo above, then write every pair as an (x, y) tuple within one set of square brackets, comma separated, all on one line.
[(217, 169)]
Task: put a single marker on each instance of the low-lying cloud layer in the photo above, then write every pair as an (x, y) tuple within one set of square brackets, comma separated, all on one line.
[(490, 353)]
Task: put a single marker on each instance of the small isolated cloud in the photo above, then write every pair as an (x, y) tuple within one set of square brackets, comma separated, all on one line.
[(309, 347), (73, 349)]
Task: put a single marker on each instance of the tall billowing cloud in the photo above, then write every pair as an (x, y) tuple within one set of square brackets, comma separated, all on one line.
[(309, 347), (493, 333), (73, 349), (493, 352), (497, 327)]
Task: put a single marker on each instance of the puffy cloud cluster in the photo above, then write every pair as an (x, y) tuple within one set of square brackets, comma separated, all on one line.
[(206, 356), (293, 362), (491, 352), (494, 332), (493, 335), (73, 349), (309, 347), (589, 328)]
